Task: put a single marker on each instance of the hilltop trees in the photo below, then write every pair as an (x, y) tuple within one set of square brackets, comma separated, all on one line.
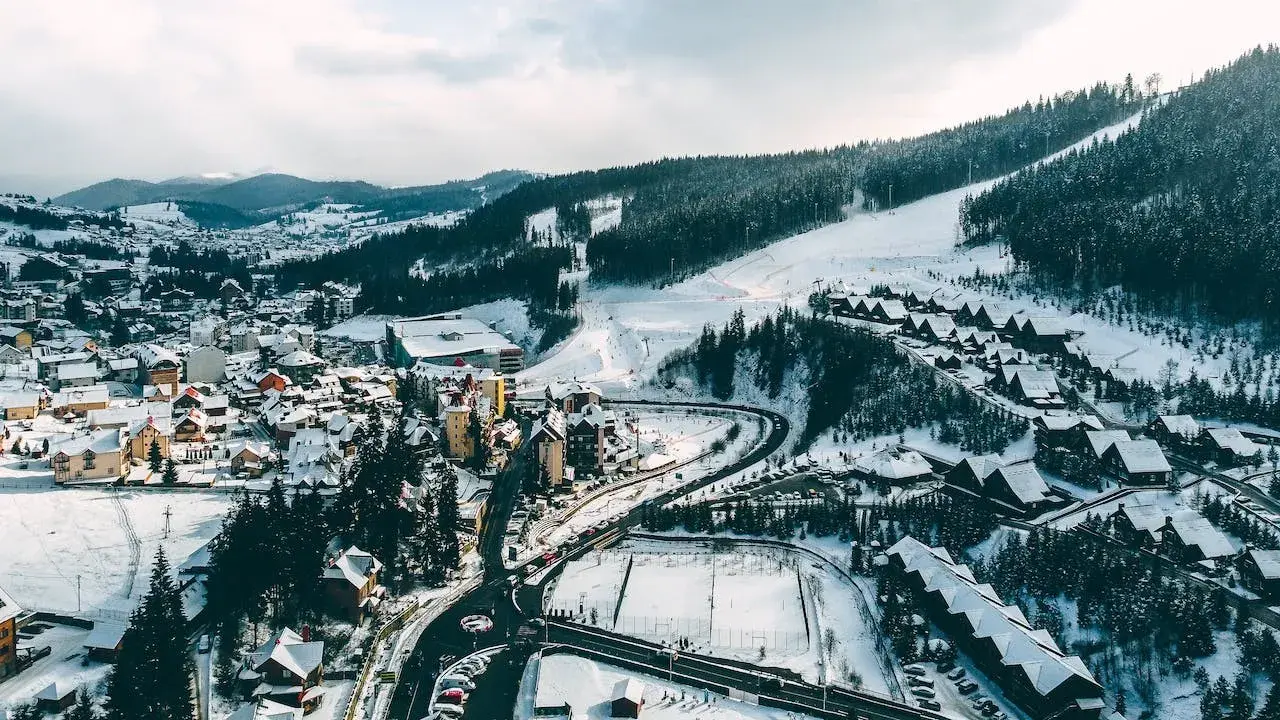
[(1181, 208), (856, 382), (682, 215)]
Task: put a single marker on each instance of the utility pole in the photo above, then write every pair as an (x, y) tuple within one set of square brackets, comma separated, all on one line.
[(970, 172), (890, 197), (168, 513)]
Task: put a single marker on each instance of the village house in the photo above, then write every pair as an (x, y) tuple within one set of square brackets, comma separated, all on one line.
[(145, 432), (301, 366), (839, 305), (1183, 535), (1228, 446), (1260, 572), (80, 401), (9, 612), (1025, 662), (16, 337), (1063, 429), (74, 375), (161, 365), (1138, 462), (1018, 486), (98, 455), (592, 442), (549, 435), (572, 397), (895, 466), (288, 668), (191, 426), (248, 456), (1098, 442), (21, 405), (351, 584), (1180, 431), (891, 312)]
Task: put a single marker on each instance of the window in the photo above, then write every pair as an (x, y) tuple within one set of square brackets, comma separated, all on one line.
[(89, 458)]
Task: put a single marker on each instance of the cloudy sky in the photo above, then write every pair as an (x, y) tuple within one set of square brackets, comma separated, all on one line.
[(416, 91)]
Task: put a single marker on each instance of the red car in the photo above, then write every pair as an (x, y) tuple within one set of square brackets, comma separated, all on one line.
[(452, 695)]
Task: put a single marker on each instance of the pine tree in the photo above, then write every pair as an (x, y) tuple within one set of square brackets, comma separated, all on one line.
[(151, 678), (448, 520), (84, 708), (154, 459), (170, 476)]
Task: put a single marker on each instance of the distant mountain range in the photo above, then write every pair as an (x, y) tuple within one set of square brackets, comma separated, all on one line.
[(231, 201)]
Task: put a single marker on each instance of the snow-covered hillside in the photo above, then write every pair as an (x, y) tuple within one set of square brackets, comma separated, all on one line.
[(627, 331)]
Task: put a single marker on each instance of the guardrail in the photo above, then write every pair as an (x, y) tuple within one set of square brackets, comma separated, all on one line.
[(395, 657)]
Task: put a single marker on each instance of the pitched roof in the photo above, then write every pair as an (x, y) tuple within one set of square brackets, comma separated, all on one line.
[(1193, 529), (1024, 481), (629, 689), (1004, 627), (1141, 456), (1184, 425), (289, 650), (1102, 440), (895, 464), (353, 565), (1268, 562), (1233, 440)]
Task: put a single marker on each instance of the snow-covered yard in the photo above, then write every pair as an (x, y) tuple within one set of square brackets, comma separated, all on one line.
[(99, 539), (764, 605)]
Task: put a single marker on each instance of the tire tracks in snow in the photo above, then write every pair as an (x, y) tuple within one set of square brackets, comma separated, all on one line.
[(135, 545)]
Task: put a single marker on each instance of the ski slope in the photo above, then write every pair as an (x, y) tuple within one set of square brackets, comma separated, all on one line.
[(627, 331)]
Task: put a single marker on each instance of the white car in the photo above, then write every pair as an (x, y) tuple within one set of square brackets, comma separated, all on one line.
[(456, 681)]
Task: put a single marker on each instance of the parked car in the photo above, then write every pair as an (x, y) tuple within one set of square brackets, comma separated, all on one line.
[(457, 681), (203, 646), (455, 696), (449, 710), (956, 674), (922, 692), (966, 687), (920, 682), (916, 670), (928, 704)]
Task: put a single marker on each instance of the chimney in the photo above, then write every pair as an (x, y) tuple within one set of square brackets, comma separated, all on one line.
[(306, 633)]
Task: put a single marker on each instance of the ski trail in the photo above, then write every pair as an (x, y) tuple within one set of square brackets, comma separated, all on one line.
[(135, 545)]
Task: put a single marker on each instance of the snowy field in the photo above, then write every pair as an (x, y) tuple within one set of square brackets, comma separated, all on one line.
[(159, 213), (102, 539), (729, 604), (587, 686)]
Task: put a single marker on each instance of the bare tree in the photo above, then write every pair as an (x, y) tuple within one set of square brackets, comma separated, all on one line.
[(1152, 83)]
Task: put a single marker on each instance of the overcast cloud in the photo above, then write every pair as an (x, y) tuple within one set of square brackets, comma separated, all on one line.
[(402, 91)]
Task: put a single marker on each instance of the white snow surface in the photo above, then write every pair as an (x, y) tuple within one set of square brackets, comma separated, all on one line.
[(588, 688), (54, 536)]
